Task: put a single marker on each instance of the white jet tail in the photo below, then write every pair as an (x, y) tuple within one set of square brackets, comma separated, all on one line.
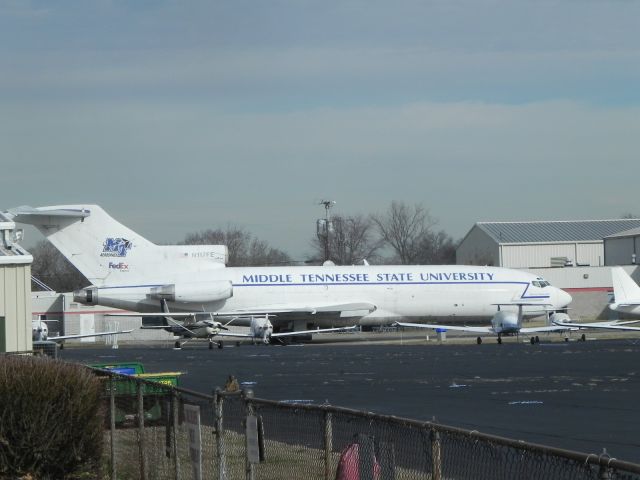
[(108, 253), (625, 290)]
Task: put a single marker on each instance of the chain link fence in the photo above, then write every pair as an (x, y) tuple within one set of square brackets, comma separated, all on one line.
[(156, 431)]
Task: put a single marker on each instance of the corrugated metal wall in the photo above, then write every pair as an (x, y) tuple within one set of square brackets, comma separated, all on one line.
[(477, 248), (15, 306), (619, 251), (540, 255)]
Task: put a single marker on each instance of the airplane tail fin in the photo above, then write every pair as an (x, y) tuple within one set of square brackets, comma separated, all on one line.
[(625, 290), (89, 238), (108, 253)]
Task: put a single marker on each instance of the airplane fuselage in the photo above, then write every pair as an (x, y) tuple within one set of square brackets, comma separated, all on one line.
[(398, 292), (626, 309)]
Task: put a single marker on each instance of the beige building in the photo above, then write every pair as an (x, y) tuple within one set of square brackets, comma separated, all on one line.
[(543, 244), (15, 291)]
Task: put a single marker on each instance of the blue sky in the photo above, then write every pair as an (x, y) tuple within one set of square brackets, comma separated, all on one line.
[(179, 116)]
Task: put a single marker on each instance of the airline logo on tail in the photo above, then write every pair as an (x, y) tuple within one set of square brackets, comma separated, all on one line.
[(116, 247)]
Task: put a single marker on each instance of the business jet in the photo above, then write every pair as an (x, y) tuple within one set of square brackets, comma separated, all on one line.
[(626, 293), (129, 272), (260, 330), (40, 333)]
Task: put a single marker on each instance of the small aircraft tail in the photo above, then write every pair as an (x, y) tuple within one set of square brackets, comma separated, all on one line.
[(625, 290), (108, 253)]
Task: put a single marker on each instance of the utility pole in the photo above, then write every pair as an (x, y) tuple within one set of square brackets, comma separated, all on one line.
[(324, 226)]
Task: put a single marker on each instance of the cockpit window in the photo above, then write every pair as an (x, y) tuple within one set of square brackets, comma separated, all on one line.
[(540, 283)]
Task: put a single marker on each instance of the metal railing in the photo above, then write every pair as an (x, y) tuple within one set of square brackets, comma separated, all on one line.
[(156, 431)]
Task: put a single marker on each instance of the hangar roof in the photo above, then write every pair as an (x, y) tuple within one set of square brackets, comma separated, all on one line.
[(556, 231), (634, 232)]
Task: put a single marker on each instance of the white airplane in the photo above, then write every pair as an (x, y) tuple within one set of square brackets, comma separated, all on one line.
[(502, 323), (129, 272), (190, 327), (626, 292), (40, 333), (626, 295), (260, 330)]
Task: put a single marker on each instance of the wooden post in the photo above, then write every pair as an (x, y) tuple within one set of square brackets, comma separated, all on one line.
[(112, 424), (141, 443), (328, 445), (252, 454), (219, 433), (175, 412), (436, 455), (387, 461), (366, 456)]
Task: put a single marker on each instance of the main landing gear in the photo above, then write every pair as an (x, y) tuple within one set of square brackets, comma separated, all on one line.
[(535, 340), (219, 344)]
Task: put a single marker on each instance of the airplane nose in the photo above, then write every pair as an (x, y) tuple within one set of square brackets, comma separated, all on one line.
[(563, 298)]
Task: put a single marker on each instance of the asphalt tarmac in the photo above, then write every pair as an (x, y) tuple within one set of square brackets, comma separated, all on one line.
[(578, 395)]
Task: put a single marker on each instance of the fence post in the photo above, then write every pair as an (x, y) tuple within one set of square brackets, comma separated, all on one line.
[(251, 441), (218, 399), (328, 445), (387, 461), (366, 456), (112, 424), (604, 472), (141, 443), (175, 412), (436, 455)]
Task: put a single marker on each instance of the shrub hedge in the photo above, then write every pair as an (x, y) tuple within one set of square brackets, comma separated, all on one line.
[(51, 420)]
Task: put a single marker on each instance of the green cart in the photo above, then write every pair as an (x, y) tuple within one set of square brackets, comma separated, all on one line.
[(155, 398)]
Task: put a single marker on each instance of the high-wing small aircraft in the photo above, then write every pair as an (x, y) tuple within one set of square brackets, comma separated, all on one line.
[(40, 333), (129, 272), (260, 330), (188, 326)]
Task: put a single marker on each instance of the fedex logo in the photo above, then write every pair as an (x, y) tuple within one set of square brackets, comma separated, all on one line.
[(123, 267)]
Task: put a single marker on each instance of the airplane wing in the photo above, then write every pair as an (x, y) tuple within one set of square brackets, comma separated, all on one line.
[(287, 334), (601, 325), (558, 327), (87, 335), (318, 330), (345, 309), (447, 327)]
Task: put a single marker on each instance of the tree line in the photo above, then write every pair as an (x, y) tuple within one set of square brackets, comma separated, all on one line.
[(403, 234)]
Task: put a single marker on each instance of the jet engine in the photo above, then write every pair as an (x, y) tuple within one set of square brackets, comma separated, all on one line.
[(197, 292)]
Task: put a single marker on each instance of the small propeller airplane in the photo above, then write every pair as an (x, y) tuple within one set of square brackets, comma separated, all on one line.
[(260, 330), (260, 327), (503, 323)]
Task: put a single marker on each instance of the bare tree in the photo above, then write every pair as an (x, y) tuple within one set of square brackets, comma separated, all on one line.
[(404, 228), (352, 240), (52, 268), (244, 248), (437, 248)]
